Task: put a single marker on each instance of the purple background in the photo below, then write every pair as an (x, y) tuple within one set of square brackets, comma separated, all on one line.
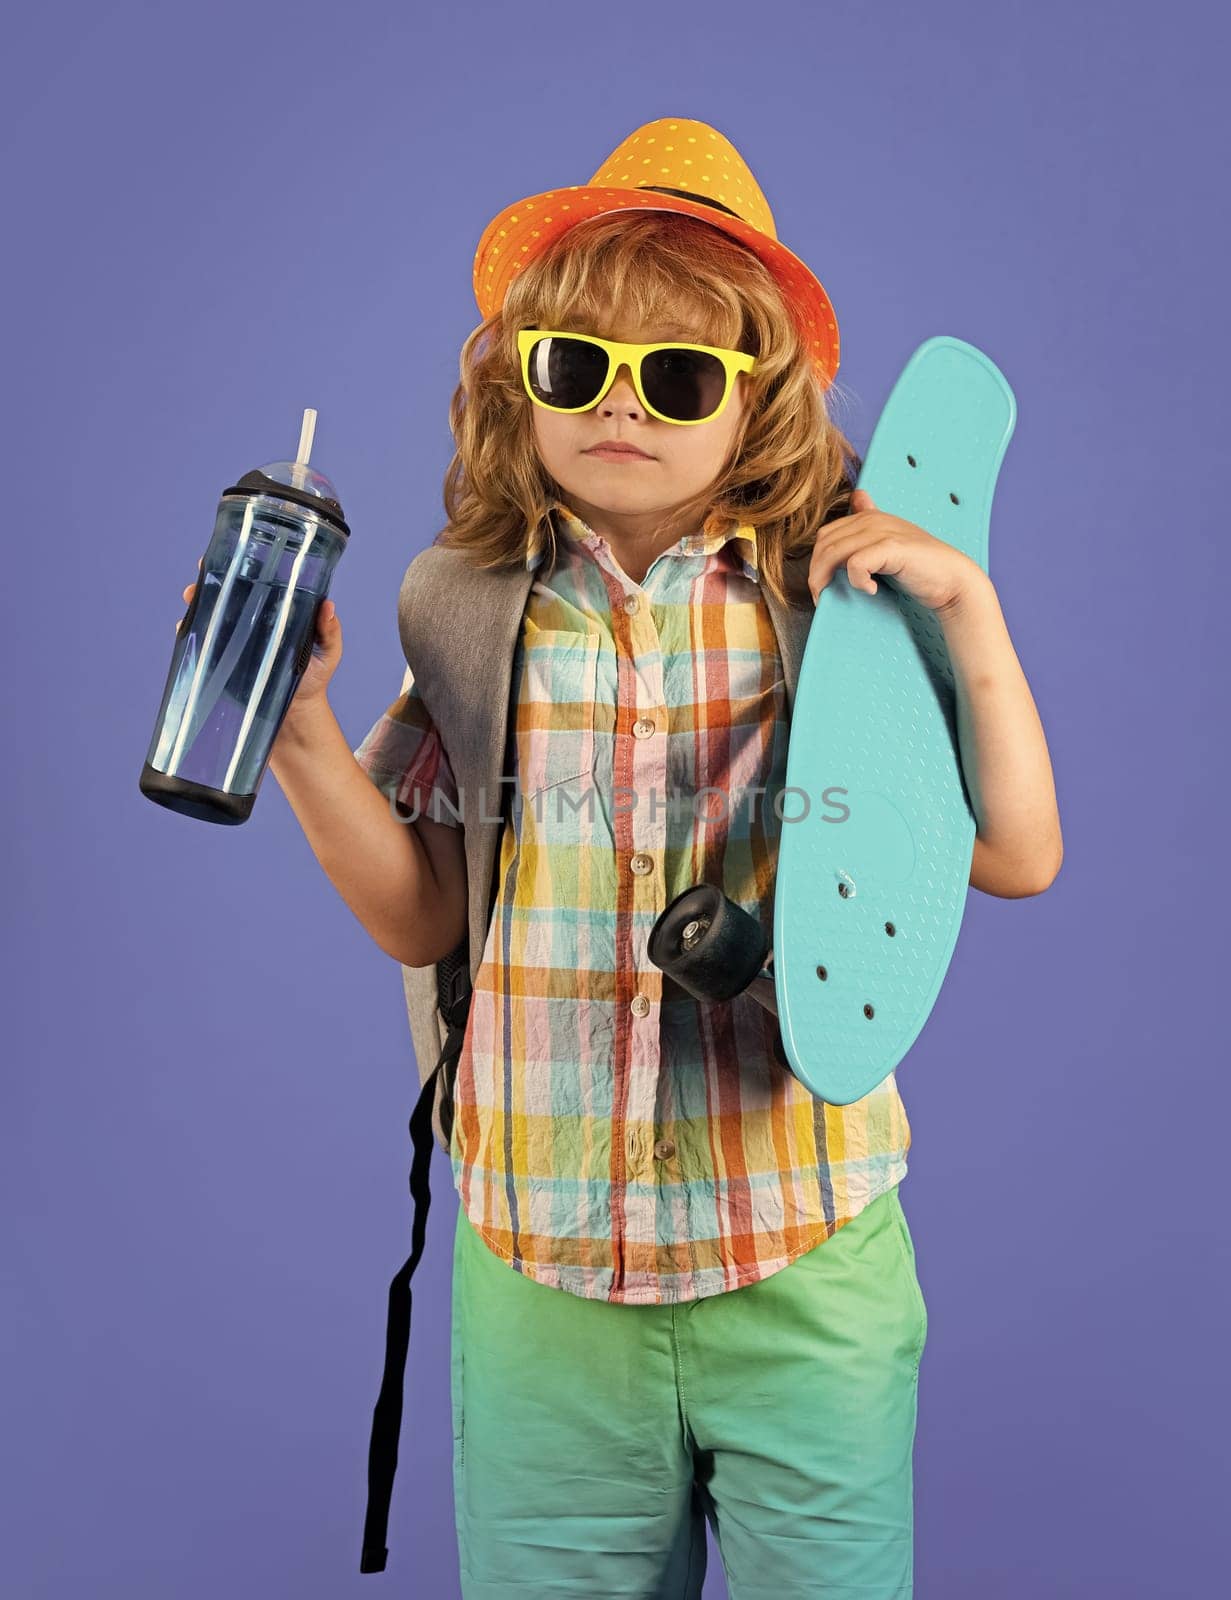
[(218, 215)]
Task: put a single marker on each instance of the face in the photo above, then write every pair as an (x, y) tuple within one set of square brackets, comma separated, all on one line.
[(641, 505)]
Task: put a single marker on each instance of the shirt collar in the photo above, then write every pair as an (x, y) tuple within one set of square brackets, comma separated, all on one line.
[(717, 530)]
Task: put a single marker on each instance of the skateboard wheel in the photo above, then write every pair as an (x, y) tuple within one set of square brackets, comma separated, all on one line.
[(710, 946)]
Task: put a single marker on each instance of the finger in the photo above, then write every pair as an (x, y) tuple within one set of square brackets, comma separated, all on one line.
[(885, 557), (860, 575), (839, 525), (829, 553), (861, 556), (843, 532)]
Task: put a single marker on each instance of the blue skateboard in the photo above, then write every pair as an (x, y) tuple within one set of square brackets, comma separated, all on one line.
[(868, 904)]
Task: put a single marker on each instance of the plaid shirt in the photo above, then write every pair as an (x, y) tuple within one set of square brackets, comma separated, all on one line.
[(607, 1140)]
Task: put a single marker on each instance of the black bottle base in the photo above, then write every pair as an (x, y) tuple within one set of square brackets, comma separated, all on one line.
[(195, 799)]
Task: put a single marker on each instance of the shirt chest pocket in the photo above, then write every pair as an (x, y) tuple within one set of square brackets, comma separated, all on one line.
[(557, 686)]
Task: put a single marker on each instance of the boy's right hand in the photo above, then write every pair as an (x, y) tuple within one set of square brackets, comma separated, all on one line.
[(326, 651)]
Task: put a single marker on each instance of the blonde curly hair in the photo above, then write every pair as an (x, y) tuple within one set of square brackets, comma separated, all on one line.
[(790, 469)]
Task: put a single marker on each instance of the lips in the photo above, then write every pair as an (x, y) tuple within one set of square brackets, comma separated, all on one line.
[(616, 450)]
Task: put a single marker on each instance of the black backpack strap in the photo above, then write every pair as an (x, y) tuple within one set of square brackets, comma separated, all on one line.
[(453, 999)]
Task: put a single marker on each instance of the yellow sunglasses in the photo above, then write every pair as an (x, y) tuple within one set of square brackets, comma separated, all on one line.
[(682, 383)]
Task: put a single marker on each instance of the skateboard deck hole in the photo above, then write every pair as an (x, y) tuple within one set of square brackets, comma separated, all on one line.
[(954, 498), (822, 973), (912, 461), (890, 929), (867, 1011)]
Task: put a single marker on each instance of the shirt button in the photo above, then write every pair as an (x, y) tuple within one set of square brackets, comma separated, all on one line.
[(664, 1149), (640, 1005), (632, 605), (643, 727), (641, 865)]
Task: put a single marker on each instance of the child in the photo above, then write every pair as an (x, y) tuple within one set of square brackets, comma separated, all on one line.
[(683, 1288)]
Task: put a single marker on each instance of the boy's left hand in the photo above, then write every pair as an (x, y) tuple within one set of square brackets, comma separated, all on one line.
[(865, 541)]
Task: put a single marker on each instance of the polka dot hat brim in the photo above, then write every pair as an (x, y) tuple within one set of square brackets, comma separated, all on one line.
[(672, 164)]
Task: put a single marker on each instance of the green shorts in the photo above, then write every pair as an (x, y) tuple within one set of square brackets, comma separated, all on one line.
[(592, 1441)]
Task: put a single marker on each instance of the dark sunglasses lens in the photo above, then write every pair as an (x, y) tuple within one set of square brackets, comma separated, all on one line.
[(685, 385), (566, 372)]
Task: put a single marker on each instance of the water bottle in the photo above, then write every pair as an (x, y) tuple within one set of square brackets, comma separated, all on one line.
[(246, 637)]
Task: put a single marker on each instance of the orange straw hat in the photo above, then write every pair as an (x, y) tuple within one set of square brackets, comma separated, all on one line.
[(671, 164)]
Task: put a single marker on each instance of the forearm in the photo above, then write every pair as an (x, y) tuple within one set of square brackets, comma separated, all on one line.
[(376, 862), (1003, 748)]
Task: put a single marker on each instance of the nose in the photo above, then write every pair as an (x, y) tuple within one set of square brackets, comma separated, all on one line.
[(622, 391)]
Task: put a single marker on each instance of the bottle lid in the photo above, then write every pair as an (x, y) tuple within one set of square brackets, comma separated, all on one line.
[(295, 480)]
